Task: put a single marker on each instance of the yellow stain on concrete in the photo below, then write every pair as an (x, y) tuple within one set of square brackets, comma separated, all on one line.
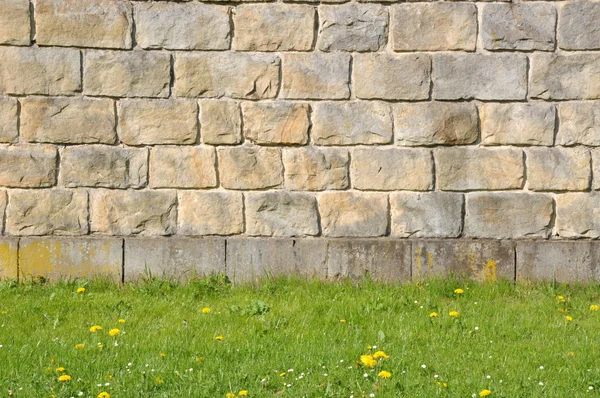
[(490, 271), (8, 260)]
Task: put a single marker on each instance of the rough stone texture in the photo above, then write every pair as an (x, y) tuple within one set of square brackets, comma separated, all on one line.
[(182, 26), (274, 27), (467, 169), (250, 167), (178, 260), (351, 123), (524, 26), (281, 213), (210, 213), (234, 75), (504, 215), (45, 71), (434, 27), (126, 73), (578, 215), (391, 169), (68, 258), (562, 77), (220, 122), (315, 169), (558, 169), (351, 214), (479, 76), (183, 167), (103, 166), (47, 212), (316, 76), (14, 24), (68, 120), (352, 27), (579, 124), (8, 120), (481, 260), (436, 123), (578, 26), (426, 215), (596, 168), (133, 212), (391, 77), (28, 166), (9, 257), (517, 124), (146, 122), (273, 123), (83, 23)]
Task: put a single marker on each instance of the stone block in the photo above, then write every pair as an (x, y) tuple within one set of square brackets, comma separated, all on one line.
[(210, 213), (67, 258), (177, 259), (563, 77), (578, 26), (183, 167), (14, 23), (226, 74), (28, 166), (152, 122), (315, 169), (352, 27), (9, 255), (177, 26), (273, 27), (517, 124), (392, 77), (435, 123), (8, 120), (595, 168), (220, 122), (316, 76), (558, 169), (467, 169), (434, 27), (351, 123), (507, 215), (391, 169), (126, 73), (426, 215), (68, 120), (578, 215), (272, 123), (250, 167), (47, 212), (352, 214), (579, 124)]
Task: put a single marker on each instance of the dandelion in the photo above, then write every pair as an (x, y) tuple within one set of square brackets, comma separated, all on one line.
[(594, 307), (570, 354), (368, 361), (113, 332), (79, 346), (484, 393), (163, 355), (342, 321), (121, 321), (454, 314), (95, 328), (281, 374), (103, 394), (230, 395), (560, 298), (384, 375), (433, 314), (205, 310), (380, 354), (219, 338), (458, 291), (158, 380), (563, 310), (81, 290), (64, 378), (569, 318), (60, 369), (243, 393), (442, 384)]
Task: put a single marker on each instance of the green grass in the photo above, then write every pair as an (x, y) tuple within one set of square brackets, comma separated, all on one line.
[(510, 339)]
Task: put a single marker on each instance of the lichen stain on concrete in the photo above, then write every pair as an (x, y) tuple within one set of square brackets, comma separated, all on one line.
[(8, 260)]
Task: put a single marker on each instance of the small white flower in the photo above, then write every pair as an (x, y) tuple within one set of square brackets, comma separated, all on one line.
[(423, 366), (541, 368), (371, 395), (416, 302), (341, 361), (488, 377), (106, 384), (191, 369), (374, 347), (476, 327), (129, 364), (435, 376), (80, 393), (289, 385), (325, 374), (98, 385), (365, 375), (590, 387), (541, 383)]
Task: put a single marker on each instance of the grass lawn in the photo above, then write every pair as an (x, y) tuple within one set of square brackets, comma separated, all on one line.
[(299, 339)]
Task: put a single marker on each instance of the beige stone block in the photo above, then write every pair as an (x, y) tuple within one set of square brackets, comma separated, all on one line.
[(272, 123), (596, 168), (316, 76), (578, 26), (517, 124), (352, 27), (578, 215), (210, 213), (426, 215), (183, 167), (14, 23), (565, 76), (220, 122), (250, 167), (558, 169), (28, 166), (579, 124), (315, 169), (352, 214), (8, 120)]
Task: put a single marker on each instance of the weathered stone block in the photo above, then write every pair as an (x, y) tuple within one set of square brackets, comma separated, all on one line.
[(178, 259), (234, 75), (46, 71), (133, 212), (524, 26), (183, 167), (176, 26), (578, 215), (392, 77), (276, 122), (558, 169), (315, 169), (561, 77), (578, 26), (126, 73), (579, 124), (316, 76), (434, 27), (9, 255), (8, 120), (273, 27), (83, 23), (220, 122), (351, 214), (68, 120), (426, 215), (596, 168), (14, 22), (466, 169), (436, 123), (250, 167), (352, 27), (483, 261), (103, 166), (28, 166), (210, 213), (505, 215), (281, 213), (391, 169), (147, 122), (47, 212), (517, 124), (351, 123), (479, 76)]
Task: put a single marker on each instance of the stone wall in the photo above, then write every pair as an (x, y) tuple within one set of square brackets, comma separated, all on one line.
[(331, 119)]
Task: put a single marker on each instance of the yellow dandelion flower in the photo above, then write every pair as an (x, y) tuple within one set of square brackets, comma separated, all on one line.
[(563, 310), (243, 393), (458, 291), (454, 314), (100, 345), (113, 332), (121, 321), (95, 328), (219, 338), (368, 361), (281, 374), (384, 375), (158, 380), (570, 354), (230, 395), (569, 318), (369, 347), (163, 355), (560, 298), (433, 314), (342, 321), (103, 394), (484, 393), (81, 290), (79, 346), (64, 378), (60, 369), (205, 310), (380, 354), (4, 312), (442, 384), (198, 359), (594, 307)]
